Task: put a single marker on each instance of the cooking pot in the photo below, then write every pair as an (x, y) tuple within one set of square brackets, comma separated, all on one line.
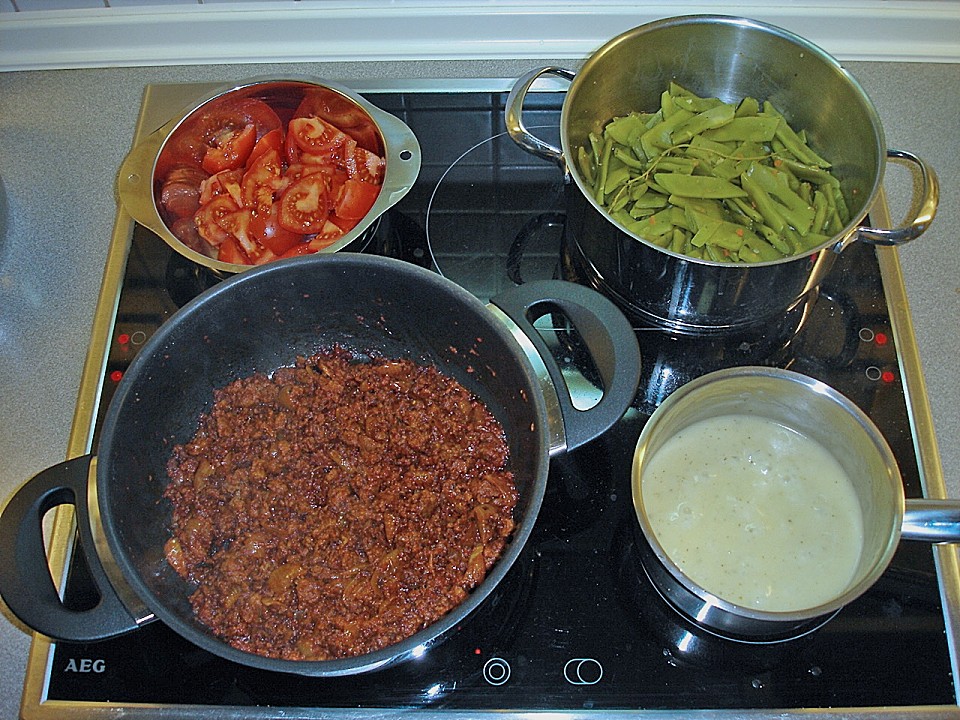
[(819, 412), (263, 319), (729, 58), (144, 169)]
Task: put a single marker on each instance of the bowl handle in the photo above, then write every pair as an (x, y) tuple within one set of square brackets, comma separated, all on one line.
[(608, 337), (914, 227), (514, 115), (25, 582)]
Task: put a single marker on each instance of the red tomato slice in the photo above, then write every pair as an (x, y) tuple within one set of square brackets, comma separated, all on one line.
[(237, 224), (229, 148), (298, 250), (230, 252), (355, 199), (313, 135), (344, 113), (365, 165), (344, 224), (267, 230), (208, 219), (327, 236), (304, 206), (262, 181), (273, 140), (226, 182)]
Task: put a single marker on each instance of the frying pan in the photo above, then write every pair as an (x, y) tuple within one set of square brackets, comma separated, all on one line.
[(264, 319)]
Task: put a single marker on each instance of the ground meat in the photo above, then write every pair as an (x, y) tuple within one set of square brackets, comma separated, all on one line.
[(338, 506)]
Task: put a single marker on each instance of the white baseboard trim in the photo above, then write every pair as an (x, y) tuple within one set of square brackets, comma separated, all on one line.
[(297, 31)]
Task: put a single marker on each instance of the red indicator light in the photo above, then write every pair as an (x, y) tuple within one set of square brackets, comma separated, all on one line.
[(887, 376), (880, 338), (116, 375), (123, 339), (477, 651)]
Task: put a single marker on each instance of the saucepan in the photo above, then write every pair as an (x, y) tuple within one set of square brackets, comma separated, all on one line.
[(261, 320), (794, 532), (728, 58)]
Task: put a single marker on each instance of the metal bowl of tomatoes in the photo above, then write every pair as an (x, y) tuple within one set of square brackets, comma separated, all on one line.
[(269, 169)]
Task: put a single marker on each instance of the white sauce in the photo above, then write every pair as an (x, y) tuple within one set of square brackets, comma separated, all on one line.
[(755, 513)]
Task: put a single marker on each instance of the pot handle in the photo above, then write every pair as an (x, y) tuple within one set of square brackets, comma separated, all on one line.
[(914, 227), (25, 582), (514, 115), (936, 521), (608, 337)]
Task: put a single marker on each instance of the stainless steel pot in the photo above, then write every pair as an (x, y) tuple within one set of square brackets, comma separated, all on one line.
[(729, 58), (142, 171), (258, 321), (816, 410)]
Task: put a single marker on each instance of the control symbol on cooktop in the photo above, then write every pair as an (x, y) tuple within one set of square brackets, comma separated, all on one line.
[(496, 671), (582, 671)]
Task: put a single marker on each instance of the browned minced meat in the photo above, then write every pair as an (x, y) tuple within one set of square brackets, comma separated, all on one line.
[(338, 507)]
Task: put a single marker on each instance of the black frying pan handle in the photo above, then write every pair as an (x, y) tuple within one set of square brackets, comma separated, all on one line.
[(25, 582), (608, 337)]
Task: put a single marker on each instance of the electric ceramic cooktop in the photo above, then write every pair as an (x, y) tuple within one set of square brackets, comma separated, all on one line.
[(575, 629)]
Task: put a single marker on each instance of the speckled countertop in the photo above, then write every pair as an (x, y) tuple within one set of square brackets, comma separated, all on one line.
[(64, 133)]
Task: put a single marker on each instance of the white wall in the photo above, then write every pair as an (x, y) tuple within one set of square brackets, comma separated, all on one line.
[(58, 34)]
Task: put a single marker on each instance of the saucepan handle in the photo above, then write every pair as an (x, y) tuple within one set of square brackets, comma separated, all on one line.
[(913, 227), (25, 582), (607, 336), (514, 115), (935, 521)]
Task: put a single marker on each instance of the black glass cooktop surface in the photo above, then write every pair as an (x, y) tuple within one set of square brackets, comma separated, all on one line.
[(575, 627)]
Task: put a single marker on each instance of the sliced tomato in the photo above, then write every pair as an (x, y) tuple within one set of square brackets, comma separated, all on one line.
[(365, 165), (313, 135), (304, 206), (262, 182), (342, 112), (226, 182), (344, 224), (191, 140), (237, 224), (273, 140), (264, 257), (298, 250), (229, 148), (266, 228), (327, 236), (355, 199), (209, 216), (231, 252)]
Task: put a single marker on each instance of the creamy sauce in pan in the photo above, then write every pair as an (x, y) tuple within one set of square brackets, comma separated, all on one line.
[(755, 513)]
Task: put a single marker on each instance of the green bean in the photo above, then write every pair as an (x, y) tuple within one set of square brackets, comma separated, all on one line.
[(756, 129), (711, 119), (747, 107), (794, 208), (709, 179), (763, 203), (794, 142), (604, 168), (626, 129), (702, 186), (756, 250), (585, 163)]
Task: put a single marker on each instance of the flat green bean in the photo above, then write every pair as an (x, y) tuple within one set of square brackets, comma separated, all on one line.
[(730, 182)]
